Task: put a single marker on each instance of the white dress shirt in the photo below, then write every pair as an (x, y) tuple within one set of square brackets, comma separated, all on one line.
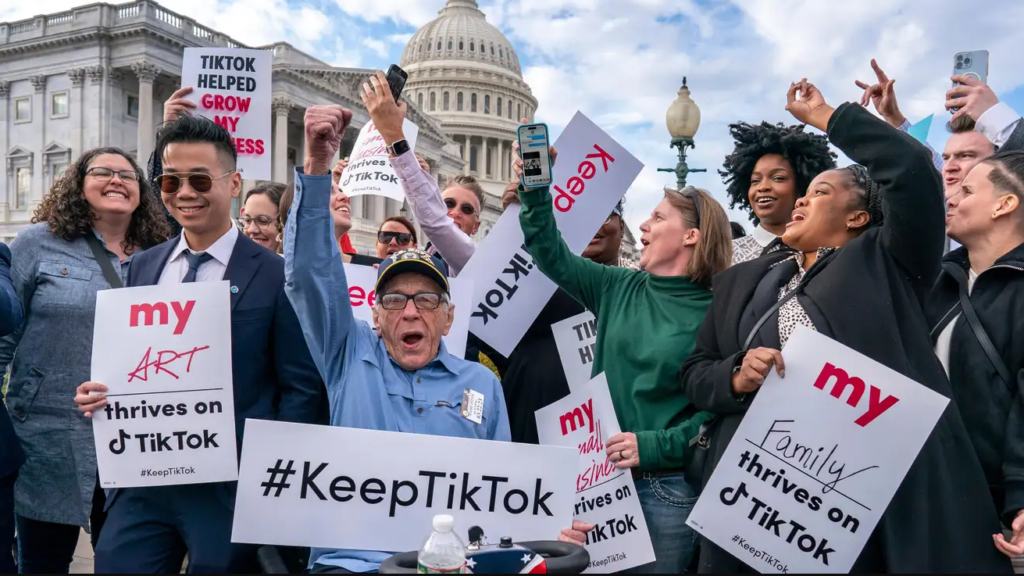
[(209, 271), (998, 123)]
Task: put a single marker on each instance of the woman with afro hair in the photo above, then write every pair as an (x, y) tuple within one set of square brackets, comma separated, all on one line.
[(770, 168)]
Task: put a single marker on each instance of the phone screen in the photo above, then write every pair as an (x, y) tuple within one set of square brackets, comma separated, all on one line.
[(396, 80), (533, 147)]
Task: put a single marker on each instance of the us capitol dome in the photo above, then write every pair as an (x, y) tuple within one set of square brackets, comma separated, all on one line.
[(465, 74)]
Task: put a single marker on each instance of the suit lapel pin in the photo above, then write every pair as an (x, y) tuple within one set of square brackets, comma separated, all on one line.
[(234, 289)]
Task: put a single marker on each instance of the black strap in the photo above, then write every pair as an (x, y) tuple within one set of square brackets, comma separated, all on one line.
[(983, 339), (775, 307), (100, 254)]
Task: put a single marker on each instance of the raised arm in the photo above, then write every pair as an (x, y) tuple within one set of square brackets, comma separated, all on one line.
[(314, 273)]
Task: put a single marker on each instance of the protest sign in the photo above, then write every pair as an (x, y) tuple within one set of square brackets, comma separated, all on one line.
[(369, 170), (593, 172), (363, 279), (164, 353), (606, 496), (576, 338), (231, 86), (816, 459), (297, 487)]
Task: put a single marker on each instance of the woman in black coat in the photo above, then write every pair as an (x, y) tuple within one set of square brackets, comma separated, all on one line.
[(860, 270)]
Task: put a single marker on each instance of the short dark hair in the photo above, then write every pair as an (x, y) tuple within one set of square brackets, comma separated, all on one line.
[(961, 124), (737, 230), (193, 129), (272, 190), (404, 222), (1007, 172), (809, 155)]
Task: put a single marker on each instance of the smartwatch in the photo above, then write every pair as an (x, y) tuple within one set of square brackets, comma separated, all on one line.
[(398, 148)]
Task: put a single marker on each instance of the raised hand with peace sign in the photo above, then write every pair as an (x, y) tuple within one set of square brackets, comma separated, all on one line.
[(883, 96)]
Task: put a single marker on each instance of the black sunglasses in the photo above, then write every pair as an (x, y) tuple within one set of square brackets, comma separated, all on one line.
[(466, 208), (201, 183), (693, 194), (403, 238)]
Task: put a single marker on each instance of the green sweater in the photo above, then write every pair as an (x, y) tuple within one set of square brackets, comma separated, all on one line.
[(646, 326)]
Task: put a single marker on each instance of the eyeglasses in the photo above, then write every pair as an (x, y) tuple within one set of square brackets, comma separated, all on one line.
[(403, 238), (261, 221), (422, 300), (693, 194), (465, 208), (108, 174), (201, 183)]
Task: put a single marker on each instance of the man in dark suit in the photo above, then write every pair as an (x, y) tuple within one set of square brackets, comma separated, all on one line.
[(149, 530), (11, 456)]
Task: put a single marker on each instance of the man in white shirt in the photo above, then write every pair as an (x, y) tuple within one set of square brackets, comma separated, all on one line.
[(149, 530)]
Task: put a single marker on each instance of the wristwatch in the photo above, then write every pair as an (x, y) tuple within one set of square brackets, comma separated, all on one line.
[(398, 148)]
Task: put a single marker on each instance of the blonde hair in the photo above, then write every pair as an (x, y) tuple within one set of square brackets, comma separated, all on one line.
[(713, 252)]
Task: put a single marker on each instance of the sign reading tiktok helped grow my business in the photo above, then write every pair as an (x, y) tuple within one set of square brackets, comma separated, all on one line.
[(816, 460), (231, 86), (164, 353), (593, 172)]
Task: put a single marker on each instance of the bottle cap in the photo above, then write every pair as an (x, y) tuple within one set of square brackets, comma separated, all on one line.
[(443, 523)]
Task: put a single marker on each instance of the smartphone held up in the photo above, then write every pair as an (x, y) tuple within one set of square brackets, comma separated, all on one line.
[(972, 64), (396, 80), (534, 149)]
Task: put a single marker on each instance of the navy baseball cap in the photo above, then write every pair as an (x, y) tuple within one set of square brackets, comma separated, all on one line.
[(412, 260)]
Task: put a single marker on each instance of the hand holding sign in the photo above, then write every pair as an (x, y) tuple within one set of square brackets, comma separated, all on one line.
[(89, 403), (577, 534), (325, 127), (1015, 545), (387, 115), (624, 451), (755, 368), (177, 105)]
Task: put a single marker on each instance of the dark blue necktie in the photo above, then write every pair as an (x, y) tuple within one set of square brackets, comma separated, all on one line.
[(194, 262)]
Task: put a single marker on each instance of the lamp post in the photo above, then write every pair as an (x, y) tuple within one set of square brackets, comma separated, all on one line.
[(683, 120)]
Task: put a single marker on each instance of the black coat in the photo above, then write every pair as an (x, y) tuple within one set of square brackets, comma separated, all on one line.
[(868, 296), (992, 410)]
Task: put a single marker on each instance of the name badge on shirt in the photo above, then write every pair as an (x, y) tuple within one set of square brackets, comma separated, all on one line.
[(473, 406)]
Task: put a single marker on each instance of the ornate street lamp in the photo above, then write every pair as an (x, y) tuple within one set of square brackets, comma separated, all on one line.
[(683, 120)]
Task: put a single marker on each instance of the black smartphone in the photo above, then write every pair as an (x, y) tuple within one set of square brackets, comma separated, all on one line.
[(396, 80)]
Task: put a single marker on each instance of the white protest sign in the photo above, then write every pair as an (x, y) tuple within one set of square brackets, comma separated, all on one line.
[(297, 487), (593, 172), (606, 496), (164, 353), (576, 338), (369, 170), (363, 279), (231, 86), (816, 460)]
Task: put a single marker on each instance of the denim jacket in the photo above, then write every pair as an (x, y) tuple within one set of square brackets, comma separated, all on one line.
[(49, 357)]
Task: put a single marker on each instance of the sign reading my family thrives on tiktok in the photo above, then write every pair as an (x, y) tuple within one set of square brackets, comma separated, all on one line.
[(164, 353), (816, 460), (231, 86)]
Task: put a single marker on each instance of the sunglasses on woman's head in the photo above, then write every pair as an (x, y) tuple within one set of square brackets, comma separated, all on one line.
[(465, 208), (693, 194), (402, 238), (201, 183)]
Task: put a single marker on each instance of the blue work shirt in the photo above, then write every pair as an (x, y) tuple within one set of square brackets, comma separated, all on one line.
[(367, 389)]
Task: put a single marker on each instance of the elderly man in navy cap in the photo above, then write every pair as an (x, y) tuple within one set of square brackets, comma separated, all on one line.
[(397, 375)]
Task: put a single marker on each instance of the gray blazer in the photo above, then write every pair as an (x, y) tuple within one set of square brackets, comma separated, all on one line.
[(57, 282)]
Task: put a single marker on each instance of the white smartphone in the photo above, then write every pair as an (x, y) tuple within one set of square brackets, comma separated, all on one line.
[(534, 151)]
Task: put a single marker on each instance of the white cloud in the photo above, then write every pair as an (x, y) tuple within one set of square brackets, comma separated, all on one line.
[(377, 46), (411, 12)]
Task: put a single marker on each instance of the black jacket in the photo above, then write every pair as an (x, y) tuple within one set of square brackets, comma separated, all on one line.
[(993, 411), (533, 377), (1016, 139), (868, 296)]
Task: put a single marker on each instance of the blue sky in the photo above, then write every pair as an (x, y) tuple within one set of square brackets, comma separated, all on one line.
[(621, 61)]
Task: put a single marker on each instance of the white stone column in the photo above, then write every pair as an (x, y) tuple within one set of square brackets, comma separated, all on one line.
[(40, 114), (379, 210), (280, 154), (486, 147), (465, 155), (146, 73), (501, 161), (77, 77), (5, 201), (92, 131)]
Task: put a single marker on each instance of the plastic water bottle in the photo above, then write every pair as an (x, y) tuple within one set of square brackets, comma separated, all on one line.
[(443, 552)]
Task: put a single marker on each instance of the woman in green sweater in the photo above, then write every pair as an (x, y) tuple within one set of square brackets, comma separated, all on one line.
[(647, 323)]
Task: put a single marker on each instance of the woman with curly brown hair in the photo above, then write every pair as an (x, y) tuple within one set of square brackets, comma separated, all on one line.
[(102, 207)]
